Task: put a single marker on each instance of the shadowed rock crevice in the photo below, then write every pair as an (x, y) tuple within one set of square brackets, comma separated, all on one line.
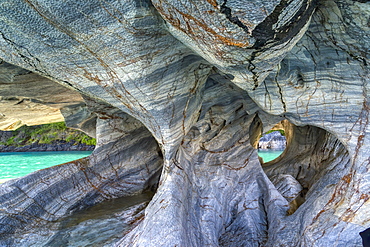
[(277, 29), (227, 12), (307, 163)]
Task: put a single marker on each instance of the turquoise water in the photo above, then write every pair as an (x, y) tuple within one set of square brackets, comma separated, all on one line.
[(268, 155), (14, 165)]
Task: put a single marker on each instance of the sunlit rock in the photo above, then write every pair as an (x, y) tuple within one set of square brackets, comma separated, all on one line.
[(27, 98)]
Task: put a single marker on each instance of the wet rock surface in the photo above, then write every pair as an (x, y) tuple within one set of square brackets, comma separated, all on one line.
[(100, 225), (178, 93)]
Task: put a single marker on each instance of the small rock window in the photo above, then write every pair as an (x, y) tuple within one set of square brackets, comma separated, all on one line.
[(272, 144)]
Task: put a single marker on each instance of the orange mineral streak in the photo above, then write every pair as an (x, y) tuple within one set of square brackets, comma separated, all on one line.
[(166, 13), (350, 214), (91, 77), (336, 198), (347, 178), (213, 3), (364, 197)]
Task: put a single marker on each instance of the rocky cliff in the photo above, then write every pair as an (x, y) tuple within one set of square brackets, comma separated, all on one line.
[(273, 140), (178, 93)]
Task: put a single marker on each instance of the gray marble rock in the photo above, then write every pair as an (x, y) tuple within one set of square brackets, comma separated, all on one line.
[(184, 89)]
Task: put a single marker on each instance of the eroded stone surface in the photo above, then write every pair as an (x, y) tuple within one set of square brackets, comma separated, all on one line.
[(215, 179), (243, 38), (29, 99), (206, 78)]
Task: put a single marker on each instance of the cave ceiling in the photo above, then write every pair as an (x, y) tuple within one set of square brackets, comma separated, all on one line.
[(189, 86)]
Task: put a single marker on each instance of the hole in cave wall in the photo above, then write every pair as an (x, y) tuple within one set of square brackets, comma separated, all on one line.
[(38, 114), (130, 154), (311, 153), (272, 143), (126, 149)]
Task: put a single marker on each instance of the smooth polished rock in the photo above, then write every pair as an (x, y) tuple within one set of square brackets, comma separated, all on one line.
[(214, 190), (245, 39)]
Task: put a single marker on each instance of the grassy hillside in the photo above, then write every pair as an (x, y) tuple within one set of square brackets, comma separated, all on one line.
[(44, 134)]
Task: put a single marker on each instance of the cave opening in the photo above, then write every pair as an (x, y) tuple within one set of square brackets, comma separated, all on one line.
[(125, 168), (31, 148), (272, 143), (109, 189), (308, 164)]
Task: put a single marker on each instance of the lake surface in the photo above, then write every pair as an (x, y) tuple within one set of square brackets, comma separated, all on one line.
[(268, 155), (18, 164)]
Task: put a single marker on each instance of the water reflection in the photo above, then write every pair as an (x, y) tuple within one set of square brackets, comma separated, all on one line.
[(100, 225)]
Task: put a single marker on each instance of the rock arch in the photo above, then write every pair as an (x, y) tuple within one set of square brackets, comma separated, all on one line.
[(196, 75), (126, 161)]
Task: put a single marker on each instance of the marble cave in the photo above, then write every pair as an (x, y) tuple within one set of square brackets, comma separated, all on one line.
[(177, 93)]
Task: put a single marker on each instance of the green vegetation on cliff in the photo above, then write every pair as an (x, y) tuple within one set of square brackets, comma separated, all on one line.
[(282, 132), (45, 134)]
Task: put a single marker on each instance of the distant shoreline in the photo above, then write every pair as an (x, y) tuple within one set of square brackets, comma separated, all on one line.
[(57, 146), (47, 137)]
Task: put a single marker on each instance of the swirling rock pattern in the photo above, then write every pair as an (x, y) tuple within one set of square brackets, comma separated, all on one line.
[(185, 88)]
